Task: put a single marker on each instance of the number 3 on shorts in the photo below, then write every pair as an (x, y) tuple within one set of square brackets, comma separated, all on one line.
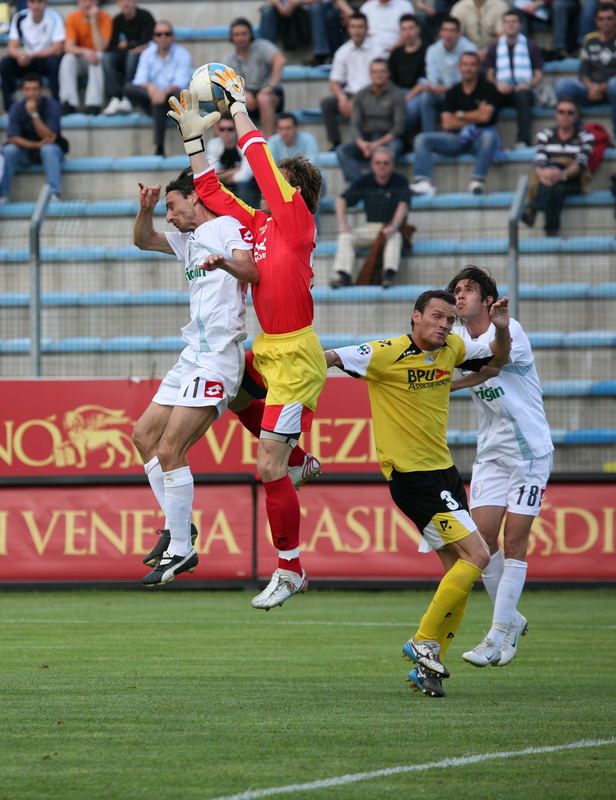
[(451, 504)]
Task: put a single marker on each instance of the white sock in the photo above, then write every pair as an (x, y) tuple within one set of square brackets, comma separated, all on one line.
[(493, 573), (509, 591), (179, 495), (289, 555), (154, 473)]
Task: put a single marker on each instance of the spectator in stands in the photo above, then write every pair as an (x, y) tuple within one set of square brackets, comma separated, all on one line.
[(346, 9), (442, 70), (260, 63), (597, 82), (33, 137), (36, 42), (289, 141), (481, 21), (515, 64), (231, 165), (430, 14), (88, 30), (131, 34), (378, 119), (384, 20), (561, 166), (386, 199), (286, 20), (468, 123), (350, 72), (164, 69), (407, 66), (564, 17), (325, 30)]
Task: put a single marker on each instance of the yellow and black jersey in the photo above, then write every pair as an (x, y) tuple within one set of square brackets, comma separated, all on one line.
[(409, 396)]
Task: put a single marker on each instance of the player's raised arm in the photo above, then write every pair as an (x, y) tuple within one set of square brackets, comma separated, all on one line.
[(501, 344), (185, 113), (144, 234)]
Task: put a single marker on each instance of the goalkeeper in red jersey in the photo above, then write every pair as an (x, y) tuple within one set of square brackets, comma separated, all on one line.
[(288, 353)]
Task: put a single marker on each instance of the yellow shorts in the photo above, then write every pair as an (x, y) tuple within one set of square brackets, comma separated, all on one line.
[(294, 371)]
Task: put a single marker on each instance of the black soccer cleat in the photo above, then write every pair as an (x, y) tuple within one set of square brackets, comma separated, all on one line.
[(164, 537), (169, 567)]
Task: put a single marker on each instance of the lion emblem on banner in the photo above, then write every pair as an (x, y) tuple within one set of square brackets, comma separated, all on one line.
[(90, 428)]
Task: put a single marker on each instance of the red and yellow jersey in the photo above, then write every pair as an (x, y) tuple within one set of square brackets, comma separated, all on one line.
[(283, 241)]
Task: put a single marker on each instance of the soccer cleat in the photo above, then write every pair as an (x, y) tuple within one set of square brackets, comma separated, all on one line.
[(164, 537), (426, 681), (509, 646), (425, 653), (305, 472), (485, 653), (284, 584), (170, 566)]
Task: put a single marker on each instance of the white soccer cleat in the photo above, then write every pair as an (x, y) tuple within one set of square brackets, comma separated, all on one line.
[(427, 654), (284, 584), (485, 653), (509, 648), (305, 472)]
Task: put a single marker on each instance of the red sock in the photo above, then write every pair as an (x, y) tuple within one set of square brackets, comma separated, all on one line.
[(282, 506), (251, 418)]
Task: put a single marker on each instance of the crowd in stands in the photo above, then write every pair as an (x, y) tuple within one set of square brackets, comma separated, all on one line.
[(428, 76)]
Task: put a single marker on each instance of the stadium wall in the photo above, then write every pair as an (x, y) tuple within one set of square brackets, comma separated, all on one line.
[(75, 505)]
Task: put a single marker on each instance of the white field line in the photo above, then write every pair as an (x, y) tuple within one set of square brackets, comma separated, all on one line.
[(444, 764), (271, 621)]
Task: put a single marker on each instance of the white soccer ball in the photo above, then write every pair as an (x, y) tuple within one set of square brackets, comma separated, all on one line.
[(211, 96)]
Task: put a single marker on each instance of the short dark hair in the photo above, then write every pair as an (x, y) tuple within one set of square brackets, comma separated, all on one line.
[(408, 18), (433, 294), (571, 100), (513, 12), (451, 21), (602, 7), (303, 173), (183, 184), (32, 77), (235, 23), (359, 15), (289, 115), (379, 60), (480, 276), (471, 54)]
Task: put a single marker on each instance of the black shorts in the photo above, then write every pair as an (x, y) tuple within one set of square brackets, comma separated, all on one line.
[(435, 500)]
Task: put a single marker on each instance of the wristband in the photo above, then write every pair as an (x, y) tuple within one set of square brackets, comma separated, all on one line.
[(237, 108), (194, 146), (36, 115)]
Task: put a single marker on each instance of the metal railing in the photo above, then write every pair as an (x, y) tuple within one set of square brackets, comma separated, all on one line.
[(36, 222), (513, 249)]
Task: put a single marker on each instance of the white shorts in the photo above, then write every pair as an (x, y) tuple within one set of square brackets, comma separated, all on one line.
[(203, 379), (516, 485)]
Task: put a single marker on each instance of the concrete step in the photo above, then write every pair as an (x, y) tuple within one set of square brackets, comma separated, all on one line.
[(350, 319), (97, 179), (443, 218)]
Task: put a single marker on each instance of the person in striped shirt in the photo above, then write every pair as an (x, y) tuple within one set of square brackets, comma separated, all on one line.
[(561, 166)]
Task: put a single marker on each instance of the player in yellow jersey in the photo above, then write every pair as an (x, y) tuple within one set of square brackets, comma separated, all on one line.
[(409, 379)]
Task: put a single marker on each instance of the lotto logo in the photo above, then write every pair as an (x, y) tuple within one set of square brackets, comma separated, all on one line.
[(213, 389)]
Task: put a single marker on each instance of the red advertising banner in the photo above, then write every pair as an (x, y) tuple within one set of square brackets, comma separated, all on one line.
[(68, 428), (348, 532)]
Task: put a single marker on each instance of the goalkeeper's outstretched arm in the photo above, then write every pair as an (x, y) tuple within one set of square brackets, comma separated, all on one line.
[(185, 113)]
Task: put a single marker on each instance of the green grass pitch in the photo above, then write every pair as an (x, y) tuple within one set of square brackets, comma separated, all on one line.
[(195, 695)]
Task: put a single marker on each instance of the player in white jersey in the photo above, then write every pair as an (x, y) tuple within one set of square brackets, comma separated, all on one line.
[(512, 465), (197, 390)]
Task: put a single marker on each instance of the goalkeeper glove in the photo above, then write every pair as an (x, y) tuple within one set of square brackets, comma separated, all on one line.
[(185, 113), (232, 85)]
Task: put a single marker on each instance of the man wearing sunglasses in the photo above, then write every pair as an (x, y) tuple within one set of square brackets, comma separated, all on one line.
[(164, 69)]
